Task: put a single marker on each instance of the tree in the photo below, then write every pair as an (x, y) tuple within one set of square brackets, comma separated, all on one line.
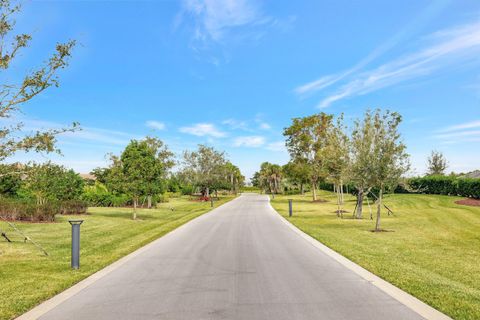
[(270, 177), (156, 176), (390, 160), (13, 96), (306, 142), (204, 167), (49, 181), (144, 166), (233, 177), (297, 172), (337, 158), (437, 164), (361, 154)]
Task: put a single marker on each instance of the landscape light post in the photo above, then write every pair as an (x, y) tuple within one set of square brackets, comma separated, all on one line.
[(290, 207), (75, 242)]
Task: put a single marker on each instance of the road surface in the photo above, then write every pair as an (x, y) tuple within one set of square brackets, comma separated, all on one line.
[(238, 262)]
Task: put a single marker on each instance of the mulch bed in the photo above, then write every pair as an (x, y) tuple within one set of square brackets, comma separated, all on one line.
[(469, 202), (320, 201)]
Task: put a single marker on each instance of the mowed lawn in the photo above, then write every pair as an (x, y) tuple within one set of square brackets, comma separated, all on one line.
[(28, 277), (432, 251)]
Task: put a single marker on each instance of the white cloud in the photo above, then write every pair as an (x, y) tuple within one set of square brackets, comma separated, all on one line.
[(249, 141), (236, 124), (203, 129), (213, 18), (462, 126), (421, 19), (156, 125), (278, 146), (450, 47), (265, 126)]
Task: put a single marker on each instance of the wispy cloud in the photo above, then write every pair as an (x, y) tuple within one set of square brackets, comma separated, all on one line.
[(427, 14), (249, 141), (265, 126), (451, 47), (203, 129), (156, 125), (278, 146), (214, 18), (236, 124), (464, 132), (462, 126)]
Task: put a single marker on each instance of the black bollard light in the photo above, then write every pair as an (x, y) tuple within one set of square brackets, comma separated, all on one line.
[(75, 243), (290, 207)]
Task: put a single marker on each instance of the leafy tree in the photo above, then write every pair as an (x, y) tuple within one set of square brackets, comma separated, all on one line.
[(9, 183), (437, 164), (144, 166), (49, 181), (204, 168), (14, 95), (390, 160), (307, 139), (156, 177), (337, 158), (297, 172)]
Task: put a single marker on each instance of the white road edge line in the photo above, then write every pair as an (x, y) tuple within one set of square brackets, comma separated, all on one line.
[(53, 302), (403, 297)]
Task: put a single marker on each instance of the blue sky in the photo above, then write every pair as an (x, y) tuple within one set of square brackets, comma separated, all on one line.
[(233, 73)]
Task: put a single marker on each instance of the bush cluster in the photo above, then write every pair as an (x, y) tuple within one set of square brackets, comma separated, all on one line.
[(447, 185), (15, 209)]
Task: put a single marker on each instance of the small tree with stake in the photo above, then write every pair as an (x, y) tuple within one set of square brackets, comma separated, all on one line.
[(390, 160)]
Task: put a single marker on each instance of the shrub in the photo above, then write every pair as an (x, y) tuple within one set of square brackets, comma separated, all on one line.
[(161, 198), (446, 185), (73, 207), (24, 210)]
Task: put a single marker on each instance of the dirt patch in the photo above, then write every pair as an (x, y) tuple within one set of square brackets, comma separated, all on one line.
[(340, 211), (469, 202), (382, 230)]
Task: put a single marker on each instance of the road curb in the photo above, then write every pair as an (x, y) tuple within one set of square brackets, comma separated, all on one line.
[(53, 302), (398, 294)]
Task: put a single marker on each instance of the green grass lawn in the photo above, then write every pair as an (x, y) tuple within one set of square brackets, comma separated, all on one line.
[(433, 251), (28, 277)]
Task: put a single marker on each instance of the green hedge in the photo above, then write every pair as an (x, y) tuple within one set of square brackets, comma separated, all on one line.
[(447, 185)]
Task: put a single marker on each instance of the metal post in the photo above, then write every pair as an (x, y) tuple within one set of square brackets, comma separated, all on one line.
[(75, 243), (290, 207), (211, 202)]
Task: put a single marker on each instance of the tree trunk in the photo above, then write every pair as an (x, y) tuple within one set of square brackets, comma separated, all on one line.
[(379, 209), (360, 196), (302, 189), (135, 201), (341, 192), (207, 192), (314, 190), (216, 194), (149, 202)]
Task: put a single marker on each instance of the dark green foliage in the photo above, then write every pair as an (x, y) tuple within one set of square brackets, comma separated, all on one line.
[(10, 179), (50, 182), (99, 196), (447, 185)]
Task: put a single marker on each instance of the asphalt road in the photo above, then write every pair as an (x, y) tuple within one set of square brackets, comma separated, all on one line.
[(238, 262)]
